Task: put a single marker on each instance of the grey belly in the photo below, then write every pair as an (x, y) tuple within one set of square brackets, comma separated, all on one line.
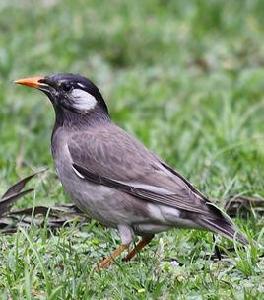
[(107, 205), (112, 207)]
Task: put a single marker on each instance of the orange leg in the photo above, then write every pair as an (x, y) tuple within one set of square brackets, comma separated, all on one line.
[(109, 260), (139, 246)]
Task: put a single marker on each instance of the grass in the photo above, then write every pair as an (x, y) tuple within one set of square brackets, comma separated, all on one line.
[(185, 77)]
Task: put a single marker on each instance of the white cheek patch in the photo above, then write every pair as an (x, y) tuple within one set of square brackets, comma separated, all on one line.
[(83, 100)]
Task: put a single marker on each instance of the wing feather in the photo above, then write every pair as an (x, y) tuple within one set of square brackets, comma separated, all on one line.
[(169, 198), (113, 158)]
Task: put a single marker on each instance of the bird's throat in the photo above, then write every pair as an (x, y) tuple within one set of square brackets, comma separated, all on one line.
[(76, 120)]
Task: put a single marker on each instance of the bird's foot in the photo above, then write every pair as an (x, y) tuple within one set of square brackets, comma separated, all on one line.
[(105, 263), (139, 246)]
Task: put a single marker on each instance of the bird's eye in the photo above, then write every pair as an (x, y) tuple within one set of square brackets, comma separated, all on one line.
[(66, 87)]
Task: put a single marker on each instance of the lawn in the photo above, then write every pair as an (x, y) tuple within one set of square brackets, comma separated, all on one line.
[(186, 78)]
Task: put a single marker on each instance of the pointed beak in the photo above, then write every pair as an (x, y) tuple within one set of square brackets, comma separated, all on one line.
[(31, 81)]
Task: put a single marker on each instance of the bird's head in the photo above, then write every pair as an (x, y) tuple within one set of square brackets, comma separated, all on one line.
[(72, 92)]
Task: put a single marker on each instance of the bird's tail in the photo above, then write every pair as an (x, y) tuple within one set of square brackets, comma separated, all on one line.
[(223, 225)]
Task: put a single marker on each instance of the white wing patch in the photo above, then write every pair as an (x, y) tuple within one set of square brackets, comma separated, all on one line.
[(83, 100), (78, 173)]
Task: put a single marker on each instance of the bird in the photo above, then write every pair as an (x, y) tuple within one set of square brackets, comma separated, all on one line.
[(113, 177)]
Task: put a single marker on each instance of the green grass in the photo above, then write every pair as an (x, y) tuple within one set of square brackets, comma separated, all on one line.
[(185, 77)]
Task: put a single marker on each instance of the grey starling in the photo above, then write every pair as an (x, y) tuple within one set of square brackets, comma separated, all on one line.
[(114, 177)]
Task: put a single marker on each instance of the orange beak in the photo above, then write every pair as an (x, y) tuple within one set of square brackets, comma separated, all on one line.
[(30, 81)]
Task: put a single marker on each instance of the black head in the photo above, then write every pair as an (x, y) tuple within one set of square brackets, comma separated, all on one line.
[(72, 92)]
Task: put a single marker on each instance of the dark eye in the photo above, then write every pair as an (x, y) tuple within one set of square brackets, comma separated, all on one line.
[(66, 86)]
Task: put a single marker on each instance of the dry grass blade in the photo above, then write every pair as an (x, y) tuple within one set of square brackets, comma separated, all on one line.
[(16, 188), (244, 206), (53, 217), (6, 202), (14, 193)]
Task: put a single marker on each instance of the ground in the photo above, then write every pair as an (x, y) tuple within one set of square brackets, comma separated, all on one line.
[(186, 78)]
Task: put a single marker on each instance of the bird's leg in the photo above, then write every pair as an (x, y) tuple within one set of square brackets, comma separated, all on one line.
[(105, 263), (126, 235), (139, 246)]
